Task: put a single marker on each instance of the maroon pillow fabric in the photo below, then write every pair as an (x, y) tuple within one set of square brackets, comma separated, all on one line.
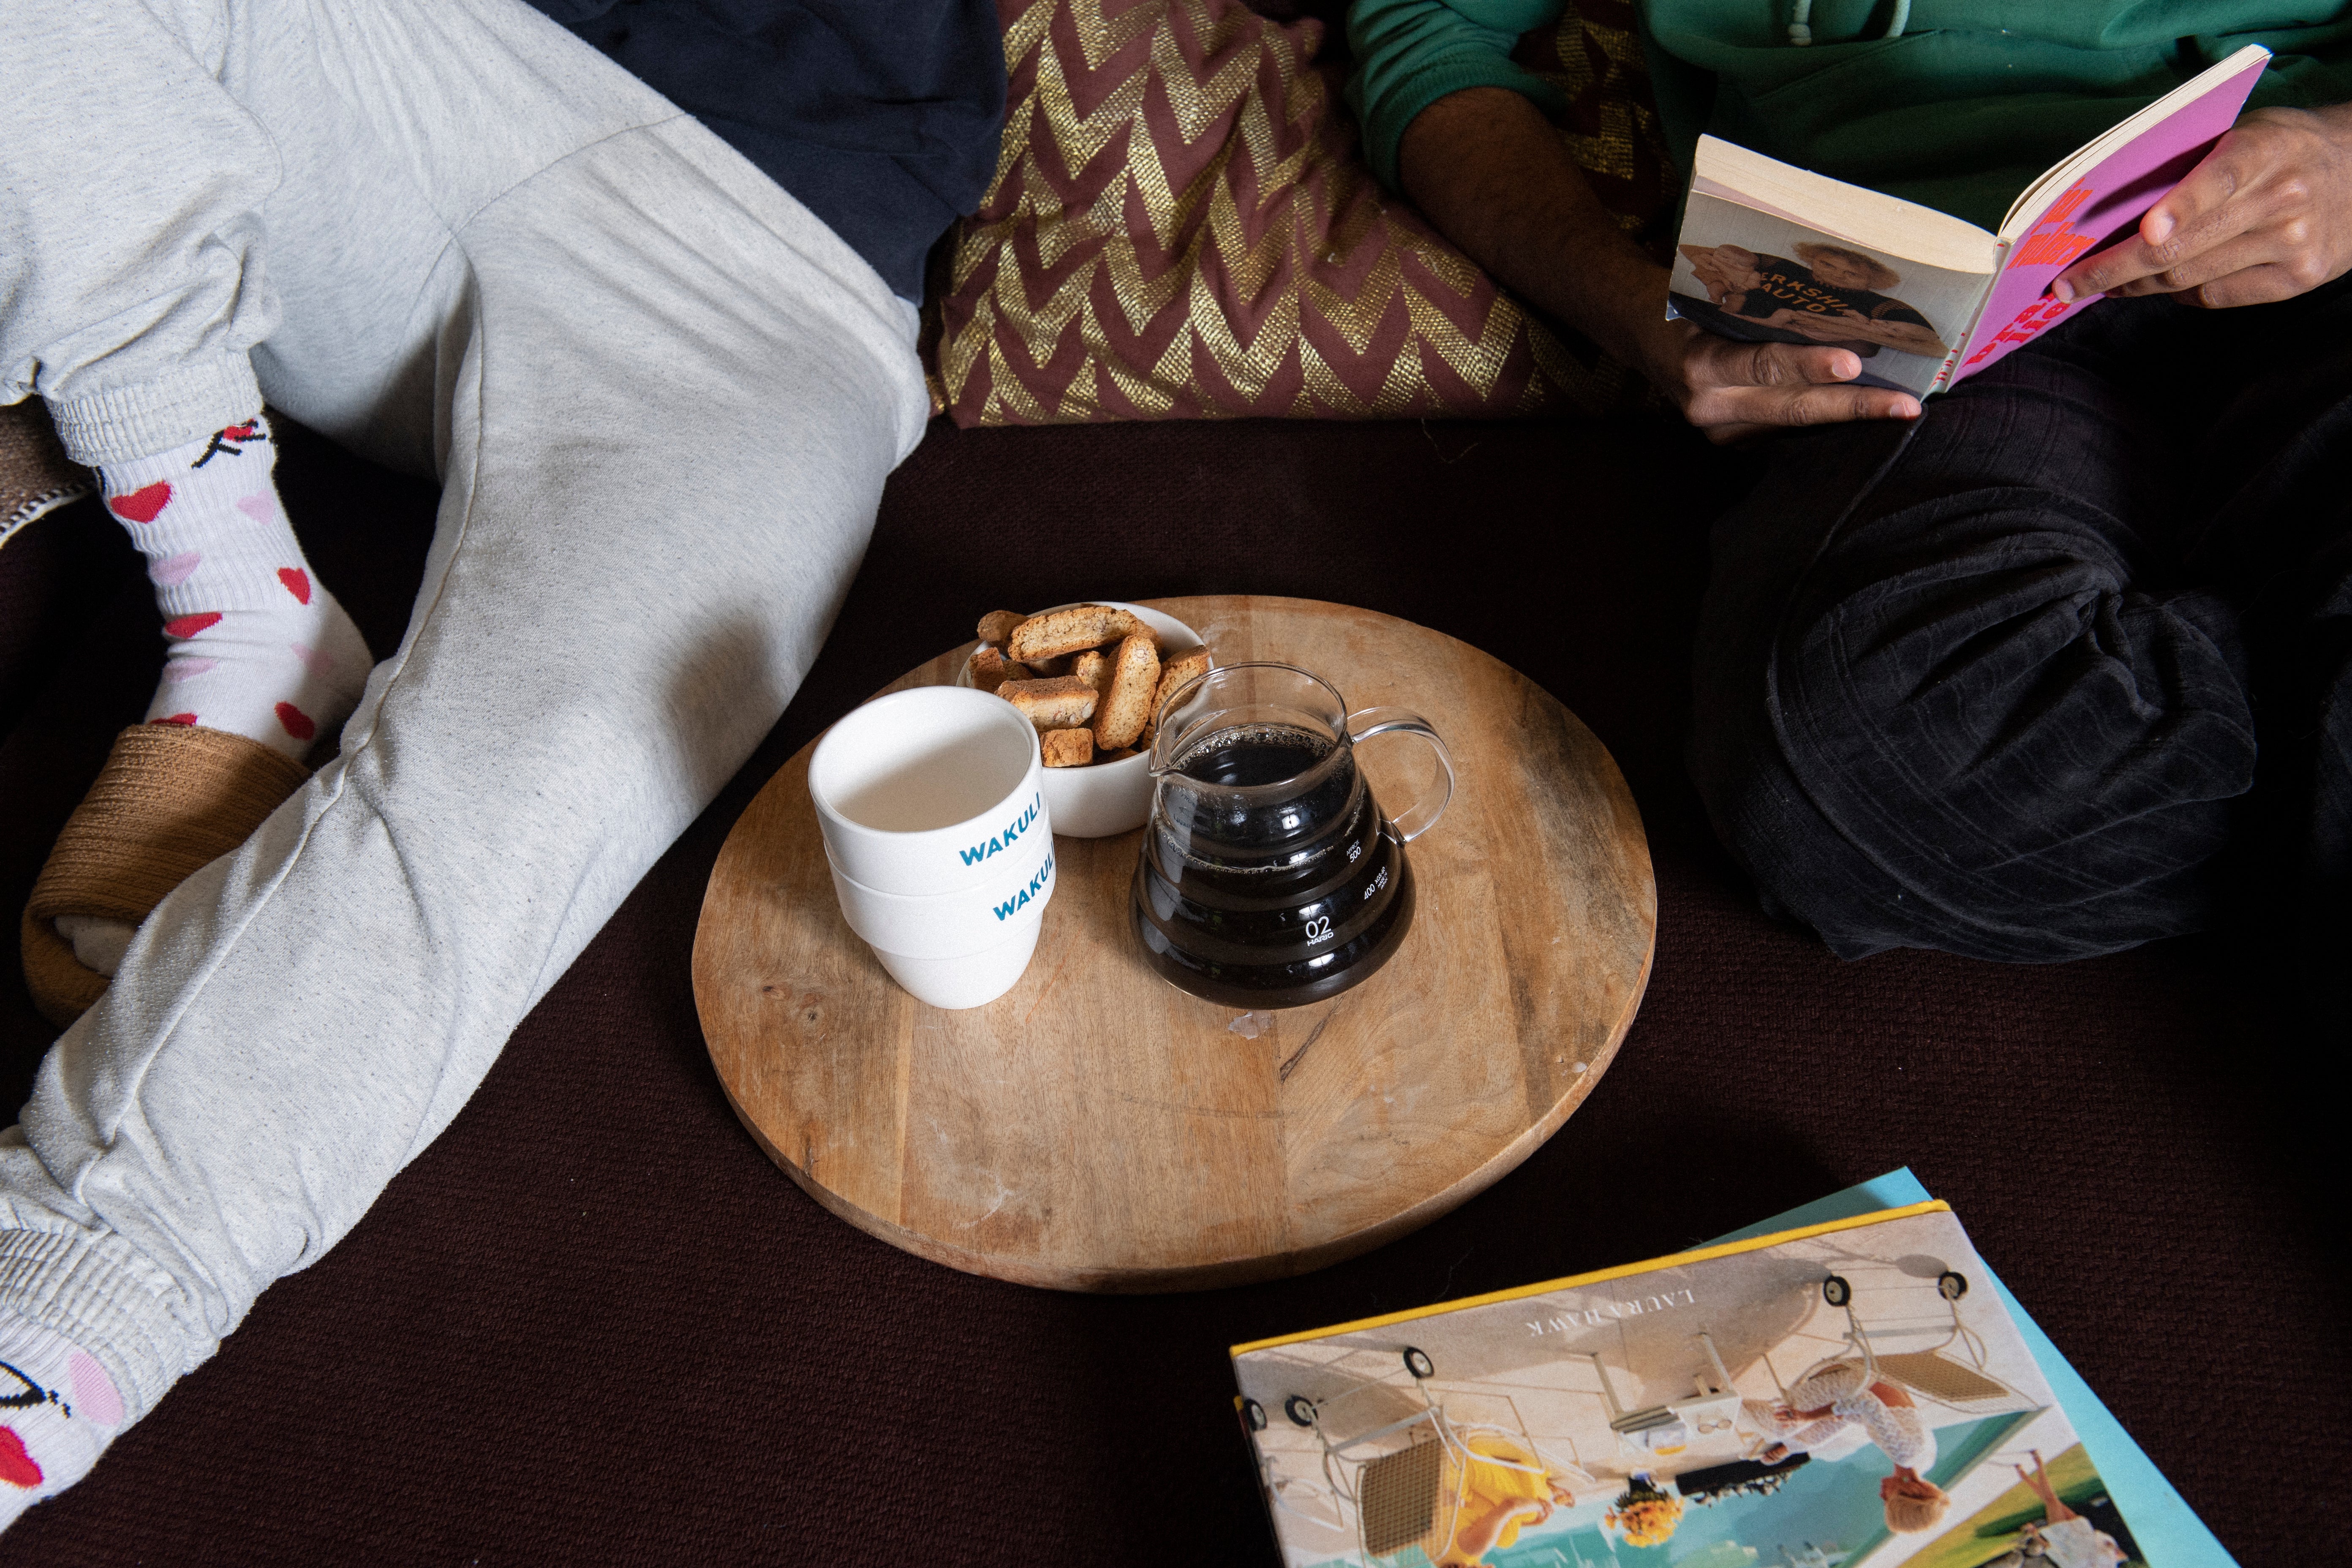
[(1182, 228)]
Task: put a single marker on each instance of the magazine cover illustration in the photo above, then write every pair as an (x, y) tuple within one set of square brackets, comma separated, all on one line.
[(1836, 1395), (1761, 277)]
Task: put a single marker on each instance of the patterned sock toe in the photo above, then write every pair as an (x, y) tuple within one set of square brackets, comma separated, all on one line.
[(58, 1410)]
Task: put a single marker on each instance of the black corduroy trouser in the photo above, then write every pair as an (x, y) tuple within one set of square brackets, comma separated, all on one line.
[(2062, 668)]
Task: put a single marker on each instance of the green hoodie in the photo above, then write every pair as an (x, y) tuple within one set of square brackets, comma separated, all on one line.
[(1972, 100)]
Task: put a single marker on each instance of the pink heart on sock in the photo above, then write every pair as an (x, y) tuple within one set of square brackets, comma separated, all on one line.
[(141, 505), (298, 723), (296, 581), (17, 1466), (318, 663), (94, 1393), (188, 669), (180, 719), (172, 571), (261, 507), (189, 625)]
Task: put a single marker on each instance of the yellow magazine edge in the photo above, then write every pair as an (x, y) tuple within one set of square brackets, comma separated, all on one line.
[(1521, 1292)]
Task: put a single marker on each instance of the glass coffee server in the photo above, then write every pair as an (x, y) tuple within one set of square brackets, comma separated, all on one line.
[(1269, 875)]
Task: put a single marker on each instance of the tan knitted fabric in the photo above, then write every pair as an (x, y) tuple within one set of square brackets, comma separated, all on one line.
[(171, 799), (35, 477)]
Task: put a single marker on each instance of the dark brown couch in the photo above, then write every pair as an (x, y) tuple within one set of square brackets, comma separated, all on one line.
[(594, 1324)]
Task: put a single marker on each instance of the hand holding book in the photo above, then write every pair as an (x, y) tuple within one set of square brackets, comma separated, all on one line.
[(1926, 300), (2267, 215), (1490, 171), (1731, 391)]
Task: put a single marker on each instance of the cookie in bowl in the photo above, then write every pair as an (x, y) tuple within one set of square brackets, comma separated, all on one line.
[(1089, 677)]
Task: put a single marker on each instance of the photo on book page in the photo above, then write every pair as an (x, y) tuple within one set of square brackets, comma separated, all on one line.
[(1830, 1397), (1757, 277)]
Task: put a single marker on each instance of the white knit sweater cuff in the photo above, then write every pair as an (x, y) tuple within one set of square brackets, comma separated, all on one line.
[(156, 415)]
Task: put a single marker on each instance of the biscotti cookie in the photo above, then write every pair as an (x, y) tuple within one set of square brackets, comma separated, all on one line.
[(1174, 676), (1064, 702), (1176, 673), (1125, 706), (990, 669), (1090, 668), (1070, 631), (1067, 748)]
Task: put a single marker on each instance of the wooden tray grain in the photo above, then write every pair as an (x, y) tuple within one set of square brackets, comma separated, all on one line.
[(1095, 1128)]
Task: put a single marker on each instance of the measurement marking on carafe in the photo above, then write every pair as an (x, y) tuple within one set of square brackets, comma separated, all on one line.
[(1238, 896), (1282, 1074)]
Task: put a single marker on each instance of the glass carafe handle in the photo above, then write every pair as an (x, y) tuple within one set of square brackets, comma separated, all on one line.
[(1422, 814)]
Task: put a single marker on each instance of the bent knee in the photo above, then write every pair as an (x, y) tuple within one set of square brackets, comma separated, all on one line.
[(2021, 770)]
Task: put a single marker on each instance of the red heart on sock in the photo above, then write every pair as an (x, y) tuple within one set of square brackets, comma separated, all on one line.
[(17, 1466), (175, 719), (298, 723), (296, 581), (189, 625), (140, 506)]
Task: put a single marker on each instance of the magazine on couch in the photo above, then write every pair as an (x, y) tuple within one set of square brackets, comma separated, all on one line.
[(1853, 1389), (1769, 252)]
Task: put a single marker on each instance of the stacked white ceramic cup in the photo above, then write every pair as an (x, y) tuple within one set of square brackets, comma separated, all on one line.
[(934, 806)]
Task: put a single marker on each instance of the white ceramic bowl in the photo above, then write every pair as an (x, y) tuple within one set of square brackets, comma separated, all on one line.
[(924, 791), (1097, 801), (949, 925), (973, 980)]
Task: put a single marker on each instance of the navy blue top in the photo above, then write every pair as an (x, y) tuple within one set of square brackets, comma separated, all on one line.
[(883, 119)]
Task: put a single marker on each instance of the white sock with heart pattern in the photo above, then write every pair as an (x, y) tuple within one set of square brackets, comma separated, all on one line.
[(258, 647), (58, 1410)]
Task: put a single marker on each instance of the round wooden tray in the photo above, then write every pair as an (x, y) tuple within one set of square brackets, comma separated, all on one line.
[(1095, 1128)]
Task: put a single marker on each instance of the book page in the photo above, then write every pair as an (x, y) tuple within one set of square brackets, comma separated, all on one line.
[(1681, 1413), (1871, 219), (1763, 277), (2102, 206)]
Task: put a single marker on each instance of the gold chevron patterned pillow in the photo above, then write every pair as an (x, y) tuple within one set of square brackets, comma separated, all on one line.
[(1182, 228)]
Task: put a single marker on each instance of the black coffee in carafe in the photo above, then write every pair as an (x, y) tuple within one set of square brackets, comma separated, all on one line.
[(1269, 876)]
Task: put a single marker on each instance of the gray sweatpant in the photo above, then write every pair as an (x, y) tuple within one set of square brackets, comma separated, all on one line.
[(661, 398)]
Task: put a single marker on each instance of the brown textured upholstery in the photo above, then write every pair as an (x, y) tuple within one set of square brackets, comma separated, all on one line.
[(35, 477), (170, 800), (592, 1324)]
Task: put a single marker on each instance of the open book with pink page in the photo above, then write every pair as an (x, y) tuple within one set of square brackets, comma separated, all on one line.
[(1773, 253)]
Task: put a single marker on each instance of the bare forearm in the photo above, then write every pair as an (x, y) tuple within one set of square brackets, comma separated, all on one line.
[(1489, 171), (1491, 174)]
